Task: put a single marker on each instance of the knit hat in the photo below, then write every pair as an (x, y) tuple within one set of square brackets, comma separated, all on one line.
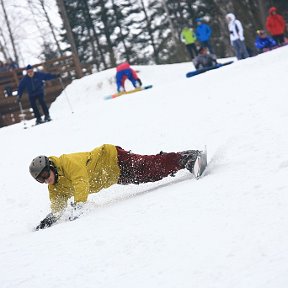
[(28, 67)]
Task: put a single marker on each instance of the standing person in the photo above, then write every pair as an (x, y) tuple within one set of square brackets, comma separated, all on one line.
[(188, 37), (80, 174), (263, 42), (237, 36), (203, 34), (275, 25), (124, 71), (204, 59), (33, 83)]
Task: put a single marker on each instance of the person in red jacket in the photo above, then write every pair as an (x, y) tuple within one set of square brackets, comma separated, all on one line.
[(275, 25), (124, 71)]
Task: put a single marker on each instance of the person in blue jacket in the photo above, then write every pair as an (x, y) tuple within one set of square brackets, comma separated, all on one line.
[(203, 34), (33, 83), (263, 42)]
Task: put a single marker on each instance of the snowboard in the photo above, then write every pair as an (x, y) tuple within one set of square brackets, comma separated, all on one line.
[(127, 92), (200, 164), (202, 70)]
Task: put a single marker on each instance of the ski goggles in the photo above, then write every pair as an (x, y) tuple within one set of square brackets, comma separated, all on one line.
[(44, 175)]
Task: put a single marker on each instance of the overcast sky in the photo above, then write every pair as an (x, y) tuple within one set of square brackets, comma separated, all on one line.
[(28, 30)]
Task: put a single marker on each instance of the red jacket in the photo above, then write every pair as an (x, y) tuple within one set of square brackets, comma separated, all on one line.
[(122, 66), (275, 23), (125, 66)]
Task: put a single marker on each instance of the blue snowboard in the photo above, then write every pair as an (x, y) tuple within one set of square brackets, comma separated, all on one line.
[(200, 71)]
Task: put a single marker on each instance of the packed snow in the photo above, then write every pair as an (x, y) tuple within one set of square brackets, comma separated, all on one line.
[(228, 229)]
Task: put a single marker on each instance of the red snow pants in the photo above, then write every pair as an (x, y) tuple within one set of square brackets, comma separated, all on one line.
[(135, 168)]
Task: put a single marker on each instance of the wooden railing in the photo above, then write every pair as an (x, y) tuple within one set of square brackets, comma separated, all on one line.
[(9, 81)]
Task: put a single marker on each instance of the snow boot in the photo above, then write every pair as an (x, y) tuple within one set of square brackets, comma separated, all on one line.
[(188, 159), (39, 121), (47, 118)]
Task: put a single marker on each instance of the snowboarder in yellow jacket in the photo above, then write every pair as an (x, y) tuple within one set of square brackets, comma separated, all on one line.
[(79, 174)]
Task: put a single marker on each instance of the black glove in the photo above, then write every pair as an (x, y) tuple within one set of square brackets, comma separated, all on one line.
[(48, 221), (139, 81), (18, 99)]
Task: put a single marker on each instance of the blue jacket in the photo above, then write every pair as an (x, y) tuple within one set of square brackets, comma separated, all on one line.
[(203, 32), (34, 85), (262, 43)]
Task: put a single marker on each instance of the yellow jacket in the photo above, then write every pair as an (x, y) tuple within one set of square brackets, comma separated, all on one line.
[(188, 36), (80, 174)]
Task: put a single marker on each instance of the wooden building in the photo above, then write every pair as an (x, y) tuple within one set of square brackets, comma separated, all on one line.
[(10, 109)]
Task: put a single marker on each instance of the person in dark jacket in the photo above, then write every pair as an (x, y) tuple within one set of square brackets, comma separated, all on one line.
[(33, 83), (263, 42), (204, 59), (275, 25)]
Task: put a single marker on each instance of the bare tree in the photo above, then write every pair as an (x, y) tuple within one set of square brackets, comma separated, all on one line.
[(51, 27), (36, 22), (10, 33), (3, 46)]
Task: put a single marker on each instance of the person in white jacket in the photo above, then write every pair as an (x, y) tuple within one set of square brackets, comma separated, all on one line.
[(237, 36)]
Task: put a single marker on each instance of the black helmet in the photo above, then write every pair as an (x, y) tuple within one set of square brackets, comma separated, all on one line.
[(38, 165)]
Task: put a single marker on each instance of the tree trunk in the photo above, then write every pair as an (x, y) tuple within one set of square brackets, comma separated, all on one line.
[(121, 33), (107, 35), (3, 47), (155, 53), (173, 30), (95, 36), (10, 33), (70, 36), (262, 12), (51, 27)]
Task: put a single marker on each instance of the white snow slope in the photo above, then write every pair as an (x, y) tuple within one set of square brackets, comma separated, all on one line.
[(228, 229)]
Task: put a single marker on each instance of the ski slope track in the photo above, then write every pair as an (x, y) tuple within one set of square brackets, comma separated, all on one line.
[(228, 229)]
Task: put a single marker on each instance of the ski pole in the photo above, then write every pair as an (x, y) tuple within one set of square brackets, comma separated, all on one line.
[(22, 115), (66, 96)]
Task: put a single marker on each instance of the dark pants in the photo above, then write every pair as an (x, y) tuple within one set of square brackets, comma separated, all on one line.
[(192, 50), (208, 45), (40, 99), (135, 169), (279, 39)]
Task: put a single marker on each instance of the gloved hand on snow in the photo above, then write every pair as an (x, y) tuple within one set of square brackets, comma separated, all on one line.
[(77, 211), (139, 82), (48, 221)]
